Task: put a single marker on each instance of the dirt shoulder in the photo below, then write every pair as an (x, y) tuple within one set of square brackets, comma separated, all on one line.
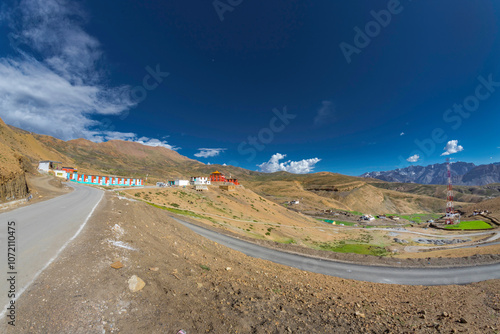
[(200, 286), (42, 188)]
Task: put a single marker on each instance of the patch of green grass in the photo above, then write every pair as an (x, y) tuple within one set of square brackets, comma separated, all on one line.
[(287, 241), (470, 225), (418, 217), (353, 212), (204, 267), (354, 248), (338, 222)]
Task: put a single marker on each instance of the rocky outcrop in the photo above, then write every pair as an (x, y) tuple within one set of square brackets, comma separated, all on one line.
[(13, 187)]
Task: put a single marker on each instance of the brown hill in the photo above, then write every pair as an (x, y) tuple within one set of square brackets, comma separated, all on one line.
[(26, 144), (119, 157), (321, 191), (317, 191)]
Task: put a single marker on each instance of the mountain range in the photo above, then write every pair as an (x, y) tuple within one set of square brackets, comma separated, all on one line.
[(462, 173)]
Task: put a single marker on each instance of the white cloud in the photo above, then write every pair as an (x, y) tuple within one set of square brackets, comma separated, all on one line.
[(452, 147), (63, 88), (130, 136), (296, 167), (156, 142), (413, 158), (209, 152), (324, 114), (402, 134)]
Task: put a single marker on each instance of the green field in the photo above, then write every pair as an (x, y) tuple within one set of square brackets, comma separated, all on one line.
[(418, 217), (470, 225), (338, 222)]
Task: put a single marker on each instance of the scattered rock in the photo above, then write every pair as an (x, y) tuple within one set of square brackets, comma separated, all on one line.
[(154, 269), (117, 265), (463, 321), (200, 285), (228, 268), (440, 242), (445, 314), (136, 283), (359, 314)]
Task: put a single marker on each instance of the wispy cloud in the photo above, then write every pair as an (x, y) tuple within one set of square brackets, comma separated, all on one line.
[(325, 113), (452, 147), (402, 134), (413, 158), (55, 84), (296, 167), (130, 136), (209, 152)]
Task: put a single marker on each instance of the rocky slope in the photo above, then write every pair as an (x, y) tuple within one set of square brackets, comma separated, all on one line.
[(463, 173)]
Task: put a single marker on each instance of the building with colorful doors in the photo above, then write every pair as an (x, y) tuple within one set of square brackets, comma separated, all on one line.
[(105, 180)]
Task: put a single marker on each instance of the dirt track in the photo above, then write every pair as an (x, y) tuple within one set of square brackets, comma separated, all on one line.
[(81, 293)]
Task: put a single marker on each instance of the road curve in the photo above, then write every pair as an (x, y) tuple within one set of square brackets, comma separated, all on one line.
[(42, 231), (376, 274)]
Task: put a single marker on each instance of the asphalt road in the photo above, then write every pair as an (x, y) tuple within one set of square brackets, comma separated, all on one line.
[(42, 230), (376, 274)]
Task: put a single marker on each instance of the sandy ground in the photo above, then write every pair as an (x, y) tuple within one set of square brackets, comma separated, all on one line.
[(252, 217), (202, 287), (42, 187)]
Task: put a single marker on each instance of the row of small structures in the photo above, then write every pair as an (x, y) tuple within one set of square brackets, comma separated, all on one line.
[(202, 182), (71, 174)]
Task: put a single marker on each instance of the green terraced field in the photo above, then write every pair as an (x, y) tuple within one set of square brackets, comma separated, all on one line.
[(470, 225)]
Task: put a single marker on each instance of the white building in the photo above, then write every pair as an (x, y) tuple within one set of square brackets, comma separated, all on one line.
[(47, 165), (181, 183), (199, 180), (61, 173)]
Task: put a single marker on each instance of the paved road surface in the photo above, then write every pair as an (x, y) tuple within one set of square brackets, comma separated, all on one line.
[(42, 230), (377, 274)]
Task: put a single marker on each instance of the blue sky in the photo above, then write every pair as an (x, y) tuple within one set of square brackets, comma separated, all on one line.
[(272, 82)]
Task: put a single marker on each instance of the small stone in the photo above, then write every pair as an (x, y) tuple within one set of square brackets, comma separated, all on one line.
[(200, 285), (359, 314), (228, 268), (462, 321), (445, 314), (136, 283), (117, 265), (154, 269)]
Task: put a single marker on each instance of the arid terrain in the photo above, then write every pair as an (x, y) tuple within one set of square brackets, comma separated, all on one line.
[(249, 215), (194, 284), (199, 286)]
